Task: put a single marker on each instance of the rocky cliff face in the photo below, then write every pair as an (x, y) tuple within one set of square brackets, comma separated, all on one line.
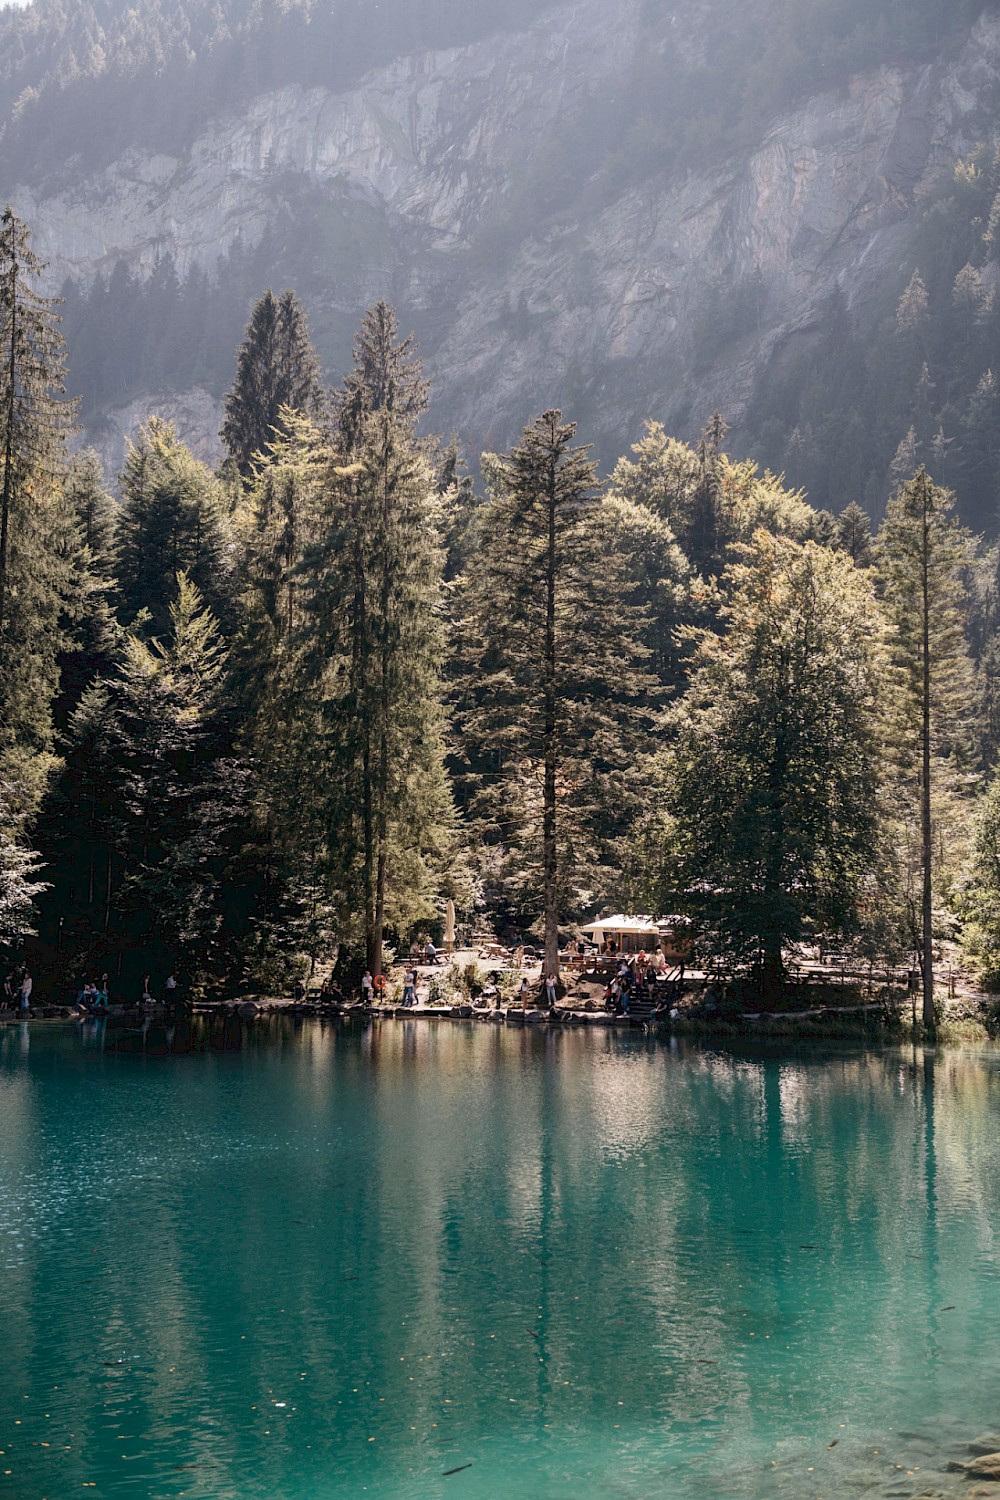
[(414, 173)]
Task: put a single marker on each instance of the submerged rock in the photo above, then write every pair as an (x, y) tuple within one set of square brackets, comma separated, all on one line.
[(985, 1467)]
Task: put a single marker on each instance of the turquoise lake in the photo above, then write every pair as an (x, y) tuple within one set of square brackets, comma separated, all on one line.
[(342, 1262)]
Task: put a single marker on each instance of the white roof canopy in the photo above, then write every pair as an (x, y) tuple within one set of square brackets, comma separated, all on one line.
[(637, 926)]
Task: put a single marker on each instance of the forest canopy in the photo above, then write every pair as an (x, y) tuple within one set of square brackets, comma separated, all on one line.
[(274, 717)]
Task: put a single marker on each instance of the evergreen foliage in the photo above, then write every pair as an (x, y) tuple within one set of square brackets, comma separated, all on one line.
[(907, 380), (375, 615), (275, 367), (150, 798), (556, 671), (172, 521), (34, 524), (773, 788), (682, 690), (923, 554)]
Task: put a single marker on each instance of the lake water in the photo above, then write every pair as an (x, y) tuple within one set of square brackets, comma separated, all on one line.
[(344, 1262)]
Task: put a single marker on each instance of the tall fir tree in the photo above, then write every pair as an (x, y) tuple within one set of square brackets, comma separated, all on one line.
[(276, 522), (372, 644), (276, 368), (556, 669), (91, 628), (174, 792), (35, 546), (854, 535), (172, 521), (922, 555)]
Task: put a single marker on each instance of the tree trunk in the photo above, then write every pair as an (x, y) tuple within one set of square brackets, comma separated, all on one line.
[(382, 721), (772, 976), (549, 861), (925, 788)]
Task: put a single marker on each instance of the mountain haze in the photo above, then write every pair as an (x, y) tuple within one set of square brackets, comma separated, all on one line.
[(634, 210)]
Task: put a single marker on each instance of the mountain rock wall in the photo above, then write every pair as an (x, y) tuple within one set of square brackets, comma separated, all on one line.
[(416, 169)]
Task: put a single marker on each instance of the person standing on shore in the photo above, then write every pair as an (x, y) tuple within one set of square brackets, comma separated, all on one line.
[(26, 991), (409, 989), (367, 985), (550, 992), (524, 994)]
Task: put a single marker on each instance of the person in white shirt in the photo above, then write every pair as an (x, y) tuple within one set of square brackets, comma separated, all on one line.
[(26, 991)]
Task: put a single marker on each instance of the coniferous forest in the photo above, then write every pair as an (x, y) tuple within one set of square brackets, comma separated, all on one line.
[(271, 718)]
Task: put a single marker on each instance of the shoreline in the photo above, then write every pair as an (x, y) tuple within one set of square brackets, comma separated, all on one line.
[(868, 1023)]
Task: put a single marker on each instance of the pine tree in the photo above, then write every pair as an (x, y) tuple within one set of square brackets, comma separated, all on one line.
[(34, 422), (372, 644), (854, 535), (276, 522), (914, 308), (276, 367), (95, 511), (773, 788), (387, 377), (922, 554), (176, 793), (90, 626), (556, 679), (706, 541), (172, 521), (34, 549), (20, 888)]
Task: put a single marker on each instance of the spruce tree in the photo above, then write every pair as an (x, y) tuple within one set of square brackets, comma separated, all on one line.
[(276, 367), (387, 377), (90, 626), (35, 525), (371, 644), (276, 522), (34, 421), (555, 681), (854, 535), (922, 556), (172, 521), (176, 792)]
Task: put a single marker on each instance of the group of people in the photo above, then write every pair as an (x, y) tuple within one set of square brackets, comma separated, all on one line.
[(628, 980), (17, 990), (94, 994), (426, 954)]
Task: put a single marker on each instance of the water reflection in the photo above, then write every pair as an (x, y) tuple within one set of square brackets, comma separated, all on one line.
[(298, 1260)]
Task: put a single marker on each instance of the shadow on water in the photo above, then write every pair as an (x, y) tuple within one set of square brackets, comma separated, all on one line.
[(193, 1036)]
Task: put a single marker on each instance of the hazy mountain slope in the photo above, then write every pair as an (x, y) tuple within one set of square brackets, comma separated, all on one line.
[(548, 207)]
